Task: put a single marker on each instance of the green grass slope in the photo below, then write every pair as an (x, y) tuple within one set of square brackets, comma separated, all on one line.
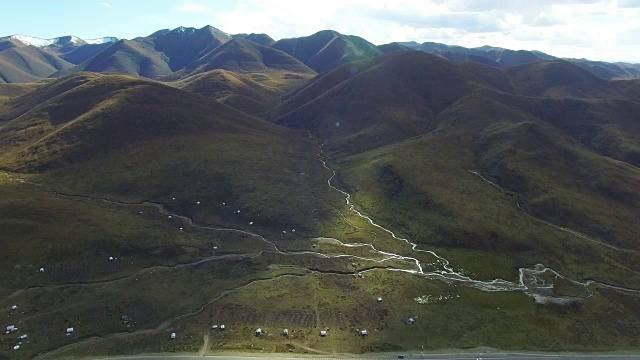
[(569, 161), (253, 93), (120, 136)]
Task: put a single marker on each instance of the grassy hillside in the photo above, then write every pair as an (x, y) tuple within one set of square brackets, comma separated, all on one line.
[(253, 93), (554, 157), (119, 136)]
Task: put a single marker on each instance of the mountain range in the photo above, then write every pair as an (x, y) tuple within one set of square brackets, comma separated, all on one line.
[(171, 183), (177, 53)]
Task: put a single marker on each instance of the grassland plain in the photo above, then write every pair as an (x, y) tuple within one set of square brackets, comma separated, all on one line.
[(258, 238)]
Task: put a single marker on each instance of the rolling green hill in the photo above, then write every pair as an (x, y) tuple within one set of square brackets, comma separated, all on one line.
[(496, 206), (253, 93), (406, 159), (145, 130)]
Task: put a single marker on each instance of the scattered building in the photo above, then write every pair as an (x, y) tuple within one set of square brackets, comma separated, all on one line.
[(16, 347), (323, 333), (14, 307), (22, 337), (214, 326), (258, 332), (411, 321), (173, 335), (11, 328), (69, 331), (41, 270), (364, 332), (250, 222), (169, 217), (285, 332), (197, 202), (379, 299), (221, 327)]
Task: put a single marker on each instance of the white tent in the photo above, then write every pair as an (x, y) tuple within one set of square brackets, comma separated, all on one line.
[(258, 332), (323, 333), (364, 332), (69, 330), (222, 327), (173, 335), (14, 307)]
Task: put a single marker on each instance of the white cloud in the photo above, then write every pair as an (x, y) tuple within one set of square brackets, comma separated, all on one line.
[(596, 29), (192, 7), (105, 4)]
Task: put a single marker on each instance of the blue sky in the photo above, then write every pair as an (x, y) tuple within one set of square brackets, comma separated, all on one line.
[(596, 29)]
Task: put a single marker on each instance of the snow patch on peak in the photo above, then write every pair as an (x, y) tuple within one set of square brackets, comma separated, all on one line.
[(62, 40), (29, 40), (102, 40)]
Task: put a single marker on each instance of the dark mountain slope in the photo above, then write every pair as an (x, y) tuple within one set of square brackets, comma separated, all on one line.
[(262, 39), (28, 63), (557, 79), (326, 50), (128, 57), (376, 102), (245, 56), (183, 45)]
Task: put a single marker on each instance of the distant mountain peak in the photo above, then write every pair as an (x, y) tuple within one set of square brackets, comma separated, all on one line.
[(62, 40)]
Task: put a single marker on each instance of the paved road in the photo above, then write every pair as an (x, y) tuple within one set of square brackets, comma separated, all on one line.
[(426, 356)]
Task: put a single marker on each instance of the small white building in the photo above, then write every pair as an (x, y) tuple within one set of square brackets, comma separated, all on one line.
[(221, 327), (14, 307), (285, 332), (379, 299), (69, 330), (258, 332), (173, 335), (364, 332), (323, 333), (11, 328)]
